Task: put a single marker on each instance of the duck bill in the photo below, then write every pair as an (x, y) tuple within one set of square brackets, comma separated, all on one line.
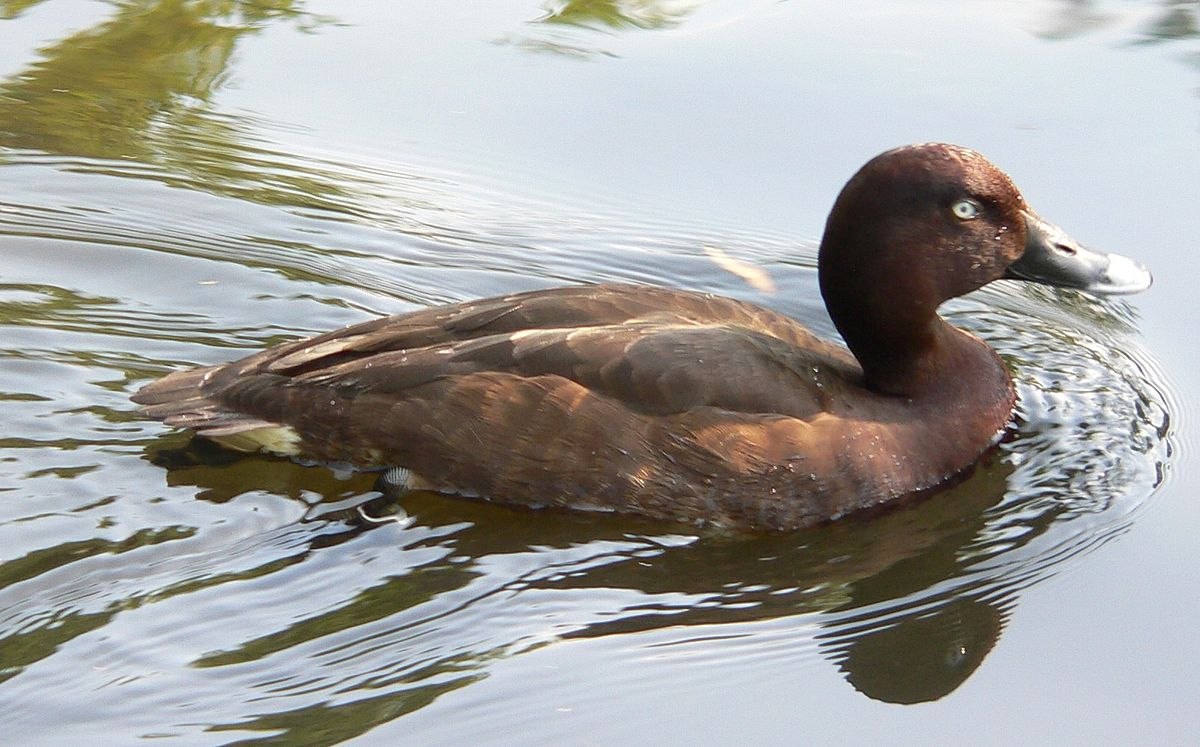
[(1054, 258)]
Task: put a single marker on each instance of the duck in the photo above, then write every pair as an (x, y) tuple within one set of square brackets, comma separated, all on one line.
[(678, 405)]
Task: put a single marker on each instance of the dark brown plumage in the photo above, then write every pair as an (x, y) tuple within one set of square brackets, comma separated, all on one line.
[(668, 403)]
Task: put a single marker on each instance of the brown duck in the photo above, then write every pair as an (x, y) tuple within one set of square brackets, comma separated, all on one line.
[(673, 404)]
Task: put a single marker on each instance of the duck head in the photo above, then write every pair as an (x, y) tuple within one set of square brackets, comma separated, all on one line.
[(921, 224)]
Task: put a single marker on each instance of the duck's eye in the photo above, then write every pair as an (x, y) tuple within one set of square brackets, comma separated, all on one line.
[(965, 209)]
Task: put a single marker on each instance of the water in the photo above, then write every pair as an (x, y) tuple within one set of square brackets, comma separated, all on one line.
[(182, 183)]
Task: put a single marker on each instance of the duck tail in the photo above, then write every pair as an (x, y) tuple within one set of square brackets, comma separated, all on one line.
[(179, 400), (173, 388)]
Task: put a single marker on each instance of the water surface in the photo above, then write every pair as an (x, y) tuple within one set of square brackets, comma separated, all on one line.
[(185, 182)]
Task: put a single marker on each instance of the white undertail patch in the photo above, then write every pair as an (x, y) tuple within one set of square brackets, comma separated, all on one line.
[(273, 439)]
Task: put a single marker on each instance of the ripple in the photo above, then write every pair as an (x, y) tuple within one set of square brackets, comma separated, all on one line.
[(251, 584)]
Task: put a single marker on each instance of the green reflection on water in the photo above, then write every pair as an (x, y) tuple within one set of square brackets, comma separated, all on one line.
[(604, 16), (376, 603), (10, 9), (643, 14), (21, 649), (102, 91), (140, 86), (42, 561), (330, 724)]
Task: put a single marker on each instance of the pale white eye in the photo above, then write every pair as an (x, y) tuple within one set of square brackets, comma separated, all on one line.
[(965, 209)]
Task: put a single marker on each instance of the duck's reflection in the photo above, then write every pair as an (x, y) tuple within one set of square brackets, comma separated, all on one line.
[(905, 613), (921, 655)]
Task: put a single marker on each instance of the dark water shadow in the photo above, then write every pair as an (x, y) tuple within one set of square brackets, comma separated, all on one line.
[(904, 617), (909, 601)]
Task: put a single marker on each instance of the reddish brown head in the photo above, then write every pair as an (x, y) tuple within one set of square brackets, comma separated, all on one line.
[(924, 223)]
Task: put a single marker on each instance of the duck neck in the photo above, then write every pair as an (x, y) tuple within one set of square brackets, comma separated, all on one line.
[(934, 361), (897, 340)]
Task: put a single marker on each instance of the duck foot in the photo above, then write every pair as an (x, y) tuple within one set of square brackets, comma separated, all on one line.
[(392, 485), (394, 482), (396, 515)]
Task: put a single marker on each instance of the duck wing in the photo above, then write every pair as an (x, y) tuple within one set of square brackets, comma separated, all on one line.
[(655, 350), (557, 308)]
